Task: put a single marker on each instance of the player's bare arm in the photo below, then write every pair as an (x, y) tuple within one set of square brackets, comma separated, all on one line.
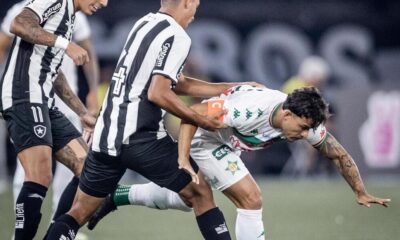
[(91, 71), (5, 43), (161, 94), (333, 150), (186, 134), (199, 88), (26, 26), (64, 91)]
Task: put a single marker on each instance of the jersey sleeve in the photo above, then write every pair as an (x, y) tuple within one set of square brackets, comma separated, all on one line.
[(44, 9), (172, 56), (82, 28), (11, 14), (317, 137)]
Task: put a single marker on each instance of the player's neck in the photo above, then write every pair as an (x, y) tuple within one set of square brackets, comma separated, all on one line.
[(277, 117), (173, 13)]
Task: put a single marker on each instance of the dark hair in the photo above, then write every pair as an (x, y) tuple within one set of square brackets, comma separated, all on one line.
[(307, 102)]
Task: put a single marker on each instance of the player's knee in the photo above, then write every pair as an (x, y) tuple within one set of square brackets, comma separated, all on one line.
[(79, 213), (77, 170), (197, 193), (43, 177), (251, 200)]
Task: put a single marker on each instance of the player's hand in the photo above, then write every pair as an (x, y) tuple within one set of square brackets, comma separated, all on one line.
[(212, 121), (79, 55), (88, 123), (185, 165), (366, 200)]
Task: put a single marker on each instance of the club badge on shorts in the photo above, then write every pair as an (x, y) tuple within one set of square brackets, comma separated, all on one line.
[(40, 131)]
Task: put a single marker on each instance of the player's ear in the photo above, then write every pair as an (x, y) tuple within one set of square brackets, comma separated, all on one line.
[(287, 113), (187, 3)]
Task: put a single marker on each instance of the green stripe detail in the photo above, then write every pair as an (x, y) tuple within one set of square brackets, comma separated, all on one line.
[(248, 139), (274, 111), (121, 195)]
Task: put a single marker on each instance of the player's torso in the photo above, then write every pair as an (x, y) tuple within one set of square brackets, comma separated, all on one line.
[(126, 111), (249, 115), (32, 68)]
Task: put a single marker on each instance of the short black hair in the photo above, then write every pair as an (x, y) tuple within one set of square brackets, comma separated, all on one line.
[(307, 102)]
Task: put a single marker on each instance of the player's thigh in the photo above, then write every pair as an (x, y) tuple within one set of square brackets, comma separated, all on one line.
[(157, 160), (220, 165), (245, 193), (68, 146), (100, 174), (29, 127)]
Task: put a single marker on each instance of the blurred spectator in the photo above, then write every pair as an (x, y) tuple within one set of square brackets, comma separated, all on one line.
[(313, 72), (305, 160)]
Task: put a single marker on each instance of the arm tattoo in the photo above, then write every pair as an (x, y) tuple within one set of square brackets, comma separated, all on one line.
[(30, 29), (333, 150), (64, 91)]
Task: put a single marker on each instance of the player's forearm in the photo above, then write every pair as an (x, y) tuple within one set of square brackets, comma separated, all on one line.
[(26, 26), (333, 150), (170, 102), (91, 69), (199, 88), (186, 133), (64, 91)]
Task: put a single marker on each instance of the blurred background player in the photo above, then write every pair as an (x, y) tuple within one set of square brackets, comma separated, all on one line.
[(304, 160), (313, 72), (81, 36)]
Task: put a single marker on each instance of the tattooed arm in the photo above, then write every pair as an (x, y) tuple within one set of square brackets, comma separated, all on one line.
[(334, 151), (26, 26), (64, 91)]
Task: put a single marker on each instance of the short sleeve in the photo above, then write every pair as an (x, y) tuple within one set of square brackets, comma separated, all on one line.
[(45, 8), (11, 14), (317, 137), (172, 56), (82, 28)]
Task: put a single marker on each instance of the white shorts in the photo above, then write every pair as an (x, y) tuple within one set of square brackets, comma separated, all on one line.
[(221, 166)]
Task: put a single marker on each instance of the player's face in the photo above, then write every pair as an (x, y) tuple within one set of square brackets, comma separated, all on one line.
[(295, 127), (89, 7), (190, 11)]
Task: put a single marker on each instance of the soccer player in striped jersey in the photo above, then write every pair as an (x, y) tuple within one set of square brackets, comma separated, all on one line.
[(129, 132), (81, 36), (256, 118), (43, 32)]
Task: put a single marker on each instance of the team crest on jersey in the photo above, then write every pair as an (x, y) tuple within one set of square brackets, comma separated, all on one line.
[(233, 167), (40, 131)]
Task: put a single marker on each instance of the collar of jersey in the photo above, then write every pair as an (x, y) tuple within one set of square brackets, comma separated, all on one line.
[(273, 113)]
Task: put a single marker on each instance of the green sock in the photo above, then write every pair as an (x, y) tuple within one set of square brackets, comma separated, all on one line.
[(121, 195)]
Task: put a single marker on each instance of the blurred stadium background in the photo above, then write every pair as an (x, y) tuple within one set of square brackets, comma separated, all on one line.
[(266, 41)]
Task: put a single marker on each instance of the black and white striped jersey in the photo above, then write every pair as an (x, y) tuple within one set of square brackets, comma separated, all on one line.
[(32, 68), (157, 44)]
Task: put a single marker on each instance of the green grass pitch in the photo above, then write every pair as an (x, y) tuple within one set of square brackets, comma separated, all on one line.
[(293, 210)]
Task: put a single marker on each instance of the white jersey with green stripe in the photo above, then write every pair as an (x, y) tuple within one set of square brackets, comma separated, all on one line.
[(249, 112)]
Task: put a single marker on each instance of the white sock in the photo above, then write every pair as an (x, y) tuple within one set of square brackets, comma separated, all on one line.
[(154, 196), (249, 225)]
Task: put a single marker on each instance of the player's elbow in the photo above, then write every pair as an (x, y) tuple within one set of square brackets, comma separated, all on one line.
[(16, 27), (154, 96)]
